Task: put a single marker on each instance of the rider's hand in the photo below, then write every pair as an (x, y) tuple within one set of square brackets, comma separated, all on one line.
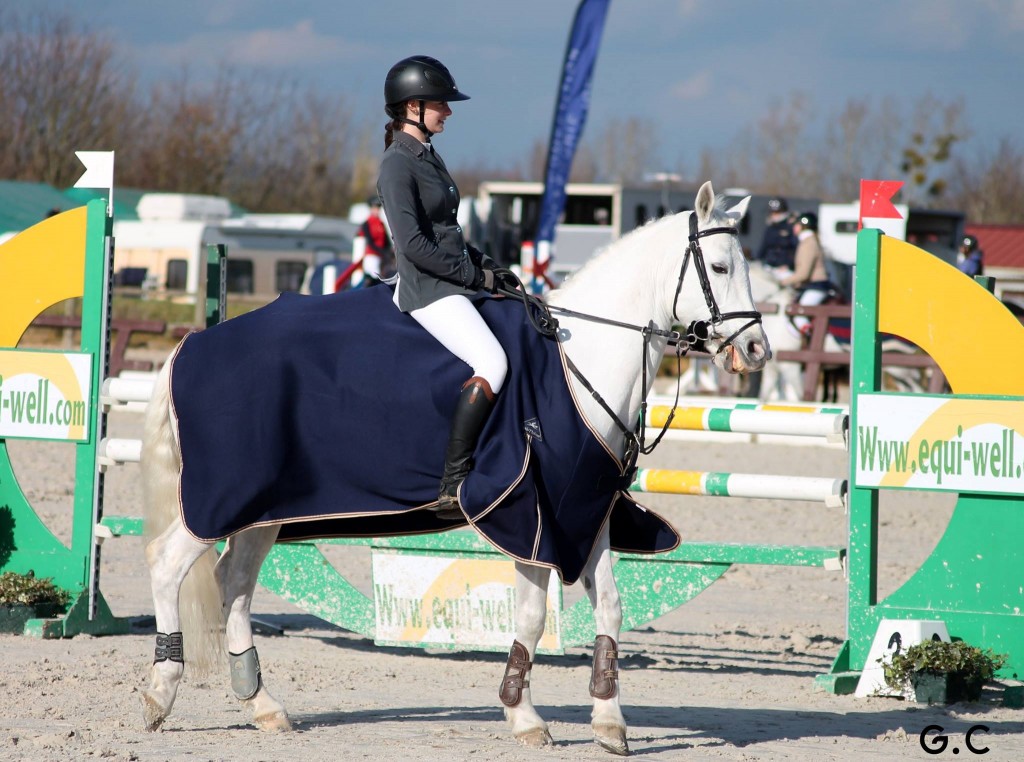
[(487, 281)]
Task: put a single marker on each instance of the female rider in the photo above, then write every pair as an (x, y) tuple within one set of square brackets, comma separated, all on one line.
[(438, 271)]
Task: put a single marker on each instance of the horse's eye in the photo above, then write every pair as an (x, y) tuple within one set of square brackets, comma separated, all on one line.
[(720, 269)]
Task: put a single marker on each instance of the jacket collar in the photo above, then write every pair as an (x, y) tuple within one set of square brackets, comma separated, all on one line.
[(413, 145)]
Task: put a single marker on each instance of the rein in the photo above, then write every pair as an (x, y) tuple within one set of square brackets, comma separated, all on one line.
[(697, 334)]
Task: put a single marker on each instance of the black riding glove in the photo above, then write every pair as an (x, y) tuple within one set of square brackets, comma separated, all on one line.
[(484, 279), (506, 279)]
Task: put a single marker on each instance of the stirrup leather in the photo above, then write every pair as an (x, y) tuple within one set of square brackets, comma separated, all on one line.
[(514, 681)]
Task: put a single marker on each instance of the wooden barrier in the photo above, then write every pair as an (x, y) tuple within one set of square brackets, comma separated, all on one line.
[(815, 358)]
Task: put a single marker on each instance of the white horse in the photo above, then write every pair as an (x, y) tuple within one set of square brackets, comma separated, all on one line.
[(784, 381), (634, 281), (780, 380)]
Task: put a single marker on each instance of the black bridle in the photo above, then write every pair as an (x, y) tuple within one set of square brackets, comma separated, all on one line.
[(696, 336), (704, 330)]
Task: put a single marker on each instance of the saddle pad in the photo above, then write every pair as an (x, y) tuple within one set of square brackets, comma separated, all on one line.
[(329, 415)]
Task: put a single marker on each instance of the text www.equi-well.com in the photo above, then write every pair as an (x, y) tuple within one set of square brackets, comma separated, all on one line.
[(992, 457)]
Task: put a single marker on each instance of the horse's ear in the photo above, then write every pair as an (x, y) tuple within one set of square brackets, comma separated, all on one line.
[(739, 211), (705, 203)]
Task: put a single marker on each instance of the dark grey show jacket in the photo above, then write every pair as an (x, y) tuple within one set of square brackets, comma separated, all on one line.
[(421, 203)]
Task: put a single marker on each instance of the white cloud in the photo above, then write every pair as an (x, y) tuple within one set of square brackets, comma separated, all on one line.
[(270, 48), (693, 88), (1011, 12)]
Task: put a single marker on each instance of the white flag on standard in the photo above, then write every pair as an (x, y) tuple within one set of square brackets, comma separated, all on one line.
[(99, 169)]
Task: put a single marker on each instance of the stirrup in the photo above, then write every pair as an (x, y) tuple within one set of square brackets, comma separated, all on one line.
[(447, 505)]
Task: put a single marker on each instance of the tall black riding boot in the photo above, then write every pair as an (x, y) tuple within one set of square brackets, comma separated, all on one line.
[(471, 412)]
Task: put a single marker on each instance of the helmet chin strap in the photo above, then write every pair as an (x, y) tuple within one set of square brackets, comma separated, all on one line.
[(420, 123)]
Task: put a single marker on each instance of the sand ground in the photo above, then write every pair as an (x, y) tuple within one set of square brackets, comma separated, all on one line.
[(727, 676)]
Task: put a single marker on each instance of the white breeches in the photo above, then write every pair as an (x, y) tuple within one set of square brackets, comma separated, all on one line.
[(813, 297), (457, 324)]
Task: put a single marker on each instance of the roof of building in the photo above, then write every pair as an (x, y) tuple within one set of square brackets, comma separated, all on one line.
[(125, 199), (23, 204), (1003, 244)]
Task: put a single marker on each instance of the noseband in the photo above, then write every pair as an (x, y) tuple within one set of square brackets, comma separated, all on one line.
[(701, 331)]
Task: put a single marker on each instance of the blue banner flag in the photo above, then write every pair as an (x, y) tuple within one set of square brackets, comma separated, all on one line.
[(570, 113)]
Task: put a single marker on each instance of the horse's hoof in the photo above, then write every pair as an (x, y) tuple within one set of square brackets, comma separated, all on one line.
[(275, 722), (612, 738), (152, 713), (537, 738)]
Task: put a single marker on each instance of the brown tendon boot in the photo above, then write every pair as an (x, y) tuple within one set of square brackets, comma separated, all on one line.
[(471, 412)]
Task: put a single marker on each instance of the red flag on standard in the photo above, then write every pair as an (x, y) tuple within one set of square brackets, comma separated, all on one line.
[(876, 199)]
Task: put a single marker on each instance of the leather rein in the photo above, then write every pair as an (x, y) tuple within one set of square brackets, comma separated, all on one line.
[(697, 334)]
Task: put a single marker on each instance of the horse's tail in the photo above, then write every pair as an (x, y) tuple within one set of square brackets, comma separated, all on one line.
[(202, 620)]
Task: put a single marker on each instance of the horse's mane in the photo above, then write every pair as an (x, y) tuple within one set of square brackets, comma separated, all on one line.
[(633, 239)]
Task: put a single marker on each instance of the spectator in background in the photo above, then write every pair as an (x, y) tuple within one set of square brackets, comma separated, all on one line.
[(970, 259), (778, 246), (777, 251), (810, 276), (378, 261)]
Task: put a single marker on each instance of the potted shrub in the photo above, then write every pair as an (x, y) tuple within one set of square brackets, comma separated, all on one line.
[(940, 672), (23, 597)]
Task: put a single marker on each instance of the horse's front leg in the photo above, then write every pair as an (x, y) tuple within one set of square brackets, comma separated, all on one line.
[(531, 607), (606, 719), (236, 573)]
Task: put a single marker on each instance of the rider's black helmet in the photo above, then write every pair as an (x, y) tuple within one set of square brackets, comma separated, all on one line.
[(420, 78), (777, 204), (809, 220), (970, 243)]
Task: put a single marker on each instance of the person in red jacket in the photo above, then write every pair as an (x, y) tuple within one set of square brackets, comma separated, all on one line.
[(378, 261)]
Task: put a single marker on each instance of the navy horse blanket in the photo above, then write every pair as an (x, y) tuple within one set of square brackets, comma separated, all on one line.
[(329, 416)]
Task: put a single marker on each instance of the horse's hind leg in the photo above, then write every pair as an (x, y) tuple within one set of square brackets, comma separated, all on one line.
[(606, 719), (531, 608), (236, 574), (170, 556)]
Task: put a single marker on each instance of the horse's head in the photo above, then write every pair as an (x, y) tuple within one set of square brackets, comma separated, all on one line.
[(712, 295)]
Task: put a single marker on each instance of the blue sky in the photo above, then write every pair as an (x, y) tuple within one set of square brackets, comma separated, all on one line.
[(701, 70)]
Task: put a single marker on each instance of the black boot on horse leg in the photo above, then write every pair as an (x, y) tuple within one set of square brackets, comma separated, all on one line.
[(471, 412)]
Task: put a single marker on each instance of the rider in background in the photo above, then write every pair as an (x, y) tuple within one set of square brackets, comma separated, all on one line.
[(810, 276), (778, 246), (438, 271), (777, 250), (970, 259), (379, 253)]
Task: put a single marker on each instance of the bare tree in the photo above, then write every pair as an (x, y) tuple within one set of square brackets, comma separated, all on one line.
[(625, 150), (935, 128), (190, 131), (990, 187), (61, 90)]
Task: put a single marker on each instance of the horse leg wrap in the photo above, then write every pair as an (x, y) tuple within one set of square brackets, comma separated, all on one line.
[(245, 673), (514, 681), (169, 648), (604, 680)]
